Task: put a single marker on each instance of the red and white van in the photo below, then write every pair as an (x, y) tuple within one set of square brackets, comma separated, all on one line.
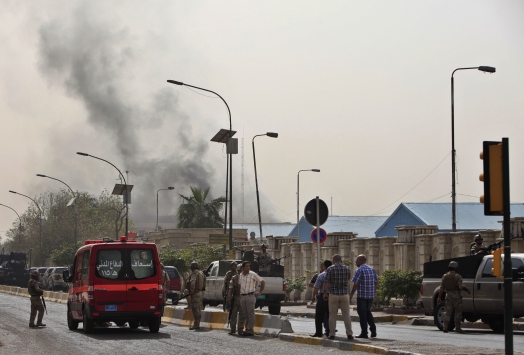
[(115, 281)]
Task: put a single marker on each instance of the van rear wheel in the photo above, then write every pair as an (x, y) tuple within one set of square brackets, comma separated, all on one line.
[(88, 324), (134, 324), (439, 314), (71, 323), (154, 325)]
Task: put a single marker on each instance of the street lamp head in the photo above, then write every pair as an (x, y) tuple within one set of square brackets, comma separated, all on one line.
[(272, 134), (316, 170), (82, 154), (170, 188), (41, 175), (13, 192), (175, 82), (487, 69)]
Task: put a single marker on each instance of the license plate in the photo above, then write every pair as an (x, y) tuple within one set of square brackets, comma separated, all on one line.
[(111, 308), (261, 297)]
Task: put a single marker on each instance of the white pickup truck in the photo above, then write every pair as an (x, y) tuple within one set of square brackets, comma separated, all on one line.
[(486, 301), (274, 290)]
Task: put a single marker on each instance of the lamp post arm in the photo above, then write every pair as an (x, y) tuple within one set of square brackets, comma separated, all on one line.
[(113, 165), (13, 211), (69, 187)]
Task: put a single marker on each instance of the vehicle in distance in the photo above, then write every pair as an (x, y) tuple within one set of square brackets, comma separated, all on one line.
[(175, 284)]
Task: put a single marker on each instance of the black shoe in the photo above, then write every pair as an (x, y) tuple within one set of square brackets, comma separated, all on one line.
[(248, 334), (373, 334), (362, 336), (315, 335), (331, 338), (350, 337)]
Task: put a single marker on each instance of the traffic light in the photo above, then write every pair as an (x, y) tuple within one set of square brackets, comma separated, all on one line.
[(496, 270), (493, 197)]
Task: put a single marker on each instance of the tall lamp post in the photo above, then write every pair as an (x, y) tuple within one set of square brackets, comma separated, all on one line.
[(485, 69), (272, 135), (169, 188), (298, 198), (230, 159), (70, 202), (19, 223), (40, 223), (127, 188)]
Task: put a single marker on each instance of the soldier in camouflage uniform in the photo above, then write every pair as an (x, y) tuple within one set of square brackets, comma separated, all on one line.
[(227, 279), (165, 283), (477, 248), (36, 302), (235, 309), (452, 284), (264, 259), (196, 287)]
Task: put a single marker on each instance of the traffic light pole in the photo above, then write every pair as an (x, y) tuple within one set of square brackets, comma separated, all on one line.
[(508, 277)]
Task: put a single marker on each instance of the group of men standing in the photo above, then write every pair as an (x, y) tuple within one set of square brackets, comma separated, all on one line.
[(331, 291)]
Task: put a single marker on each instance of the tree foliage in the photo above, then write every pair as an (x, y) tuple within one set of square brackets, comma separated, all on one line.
[(203, 254), (97, 217), (399, 284), (195, 212)]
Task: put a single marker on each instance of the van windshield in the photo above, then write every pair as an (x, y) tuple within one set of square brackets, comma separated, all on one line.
[(125, 264)]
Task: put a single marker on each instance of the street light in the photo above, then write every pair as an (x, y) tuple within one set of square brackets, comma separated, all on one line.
[(230, 160), (40, 251), (169, 188), (19, 224), (70, 202), (272, 135), (126, 188), (298, 198), (485, 69)]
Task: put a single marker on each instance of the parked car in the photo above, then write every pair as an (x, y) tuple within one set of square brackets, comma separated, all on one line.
[(42, 270), (45, 279), (56, 281), (175, 284)]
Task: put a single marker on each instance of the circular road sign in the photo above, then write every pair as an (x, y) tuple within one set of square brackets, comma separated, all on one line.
[(310, 212), (323, 235)]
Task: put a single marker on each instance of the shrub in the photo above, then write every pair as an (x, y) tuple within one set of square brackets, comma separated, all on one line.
[(404, 285)]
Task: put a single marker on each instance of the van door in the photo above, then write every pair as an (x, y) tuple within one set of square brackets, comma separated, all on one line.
[(489, 291), (109, 279), (143, 279)]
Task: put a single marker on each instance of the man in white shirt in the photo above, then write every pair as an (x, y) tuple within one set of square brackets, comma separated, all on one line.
[(249, 282)]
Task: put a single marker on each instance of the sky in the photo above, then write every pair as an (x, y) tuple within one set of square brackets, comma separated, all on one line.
[(358, 89)]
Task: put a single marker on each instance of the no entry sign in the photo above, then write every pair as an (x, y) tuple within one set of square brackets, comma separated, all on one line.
[(323, 236)]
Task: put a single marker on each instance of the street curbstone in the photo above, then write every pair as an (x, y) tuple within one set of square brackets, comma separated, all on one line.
[(304, 339), (287, 337), (370, 348)]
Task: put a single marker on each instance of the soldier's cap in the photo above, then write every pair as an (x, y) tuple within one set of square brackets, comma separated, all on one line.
[(453, 265), (35, 273), (234, 263), (478, 237), (194, 265), (263, 246)]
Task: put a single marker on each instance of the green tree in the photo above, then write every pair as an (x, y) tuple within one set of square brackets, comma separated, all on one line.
[(404, 285), (195, 212), (203, 254)]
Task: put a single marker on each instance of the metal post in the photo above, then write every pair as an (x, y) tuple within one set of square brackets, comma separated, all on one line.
[(318, 233)]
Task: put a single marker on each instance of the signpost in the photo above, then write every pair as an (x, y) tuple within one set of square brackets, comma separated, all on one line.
[(316, 213)]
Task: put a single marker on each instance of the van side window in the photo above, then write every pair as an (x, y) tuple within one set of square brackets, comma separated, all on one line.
[(214, 270), (108, 263), (142, 263), (85, 265)]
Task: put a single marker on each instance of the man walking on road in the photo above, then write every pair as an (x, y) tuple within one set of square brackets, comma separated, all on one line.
[(36, 301), (337, 288), (365, 282), (321, 309), (452, 284)]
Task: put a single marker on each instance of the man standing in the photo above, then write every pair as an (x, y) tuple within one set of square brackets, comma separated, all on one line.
[(322, 308), (165, 282), (365, 282), (195, 287), (336, 287), (452, 284), (233, 301), (227, 279), (249, 282), (36, 301), (477, 248)]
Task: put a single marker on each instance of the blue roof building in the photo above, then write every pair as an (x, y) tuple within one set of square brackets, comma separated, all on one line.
[(470, 217)]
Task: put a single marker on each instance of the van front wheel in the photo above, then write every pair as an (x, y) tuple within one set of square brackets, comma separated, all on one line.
[(71, 323)]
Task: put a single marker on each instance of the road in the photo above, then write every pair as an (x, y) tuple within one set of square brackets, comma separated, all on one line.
[(17, 338)]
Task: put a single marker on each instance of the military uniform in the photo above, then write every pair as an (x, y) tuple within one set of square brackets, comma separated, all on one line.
[(36, 303), (195, 288), (165, 284), (235, 307), (227, 280), (264, 261), (475, 248), (452, 284)]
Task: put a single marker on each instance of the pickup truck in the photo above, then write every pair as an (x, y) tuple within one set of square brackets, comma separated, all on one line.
[(486, 301), (274, 291)]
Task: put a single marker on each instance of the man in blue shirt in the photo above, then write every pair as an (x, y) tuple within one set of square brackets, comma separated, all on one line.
[(365, 282), (321, 309)]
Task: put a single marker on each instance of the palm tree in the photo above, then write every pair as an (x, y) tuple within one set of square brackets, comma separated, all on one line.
[(195, 212)]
